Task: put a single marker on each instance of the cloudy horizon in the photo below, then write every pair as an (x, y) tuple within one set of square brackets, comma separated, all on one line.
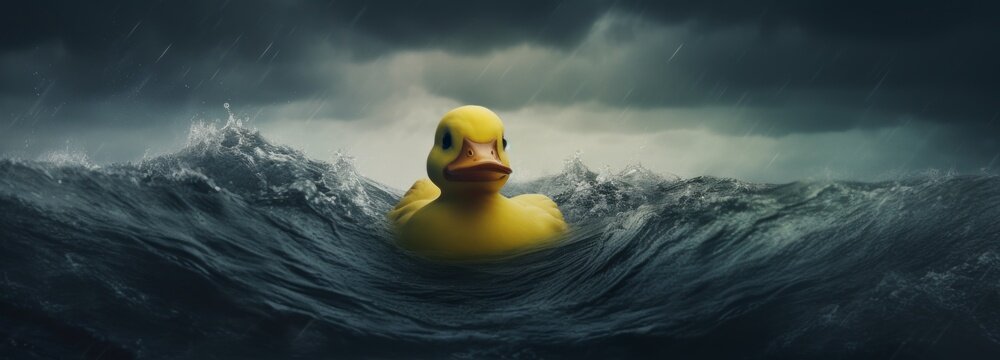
[(768, 91)]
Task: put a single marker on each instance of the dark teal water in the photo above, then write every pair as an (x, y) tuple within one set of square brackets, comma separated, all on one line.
[(236, 248)]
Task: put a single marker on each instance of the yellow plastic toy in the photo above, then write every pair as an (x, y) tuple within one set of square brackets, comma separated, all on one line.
[(459, 211)]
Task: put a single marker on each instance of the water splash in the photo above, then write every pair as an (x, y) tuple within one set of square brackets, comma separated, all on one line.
[(67, 157)]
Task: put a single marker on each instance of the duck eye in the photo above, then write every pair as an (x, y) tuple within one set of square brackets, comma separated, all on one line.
[(505, 143), (446, 141)]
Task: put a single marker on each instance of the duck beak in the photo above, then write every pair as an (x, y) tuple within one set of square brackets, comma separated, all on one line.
[(477, 162)]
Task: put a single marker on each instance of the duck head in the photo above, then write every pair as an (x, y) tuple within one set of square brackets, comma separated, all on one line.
[(468, 157)]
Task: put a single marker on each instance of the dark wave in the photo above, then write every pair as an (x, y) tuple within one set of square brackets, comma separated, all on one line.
[(235, 247)]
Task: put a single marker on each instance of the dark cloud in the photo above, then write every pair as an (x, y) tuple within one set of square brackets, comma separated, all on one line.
[(257, 53), (782, 67), (867, 20), (261, 51), (908, 59)]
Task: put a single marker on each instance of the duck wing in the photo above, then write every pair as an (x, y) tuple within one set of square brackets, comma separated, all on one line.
[(420, 194), (541, 202)]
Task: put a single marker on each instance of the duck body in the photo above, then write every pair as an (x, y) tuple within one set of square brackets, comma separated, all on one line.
[(490, 224), (458, 211)]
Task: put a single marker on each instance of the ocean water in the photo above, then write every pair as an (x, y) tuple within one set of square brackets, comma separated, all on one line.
[(238, 248)]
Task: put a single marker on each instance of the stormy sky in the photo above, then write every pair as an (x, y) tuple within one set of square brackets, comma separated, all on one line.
[(770, 91)]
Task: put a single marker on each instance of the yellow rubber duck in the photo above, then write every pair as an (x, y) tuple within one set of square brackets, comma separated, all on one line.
[(459, 211)]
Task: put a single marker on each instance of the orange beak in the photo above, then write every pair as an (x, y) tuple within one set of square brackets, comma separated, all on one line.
[(477, 162)]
